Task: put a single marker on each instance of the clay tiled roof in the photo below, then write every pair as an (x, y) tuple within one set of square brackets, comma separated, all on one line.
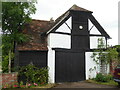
[(34, 30)]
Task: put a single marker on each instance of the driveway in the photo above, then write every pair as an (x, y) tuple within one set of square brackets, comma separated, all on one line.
[(83, 84)]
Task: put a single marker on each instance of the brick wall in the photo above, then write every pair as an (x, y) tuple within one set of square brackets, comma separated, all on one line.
[(8, 78), (113, 65)]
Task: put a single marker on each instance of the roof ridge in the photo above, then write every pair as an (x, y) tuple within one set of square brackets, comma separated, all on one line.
[(40, 20), (75, 7)]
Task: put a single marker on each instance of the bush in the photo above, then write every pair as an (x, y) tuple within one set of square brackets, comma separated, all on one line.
[(109, 77), (32, 74), (103, 78)]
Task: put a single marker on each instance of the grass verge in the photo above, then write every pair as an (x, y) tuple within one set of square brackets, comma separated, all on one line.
[(111, 82)]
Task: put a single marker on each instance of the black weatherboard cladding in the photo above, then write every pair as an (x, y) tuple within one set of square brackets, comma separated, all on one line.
[(37, 58), (80, 37), (70, 64), (79, 19)]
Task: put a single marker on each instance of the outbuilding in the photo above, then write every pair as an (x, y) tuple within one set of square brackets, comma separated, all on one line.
[(64, 45)]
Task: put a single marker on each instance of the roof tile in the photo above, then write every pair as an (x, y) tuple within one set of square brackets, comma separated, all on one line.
[(34, 29)]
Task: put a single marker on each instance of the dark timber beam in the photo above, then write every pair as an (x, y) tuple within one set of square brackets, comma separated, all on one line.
[(106, 42), (91, 28), (98, 26), (59, 23), (68, 26), (62, 33), (96, 35)]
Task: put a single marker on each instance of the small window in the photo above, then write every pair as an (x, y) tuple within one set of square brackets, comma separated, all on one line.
[(80, 27)]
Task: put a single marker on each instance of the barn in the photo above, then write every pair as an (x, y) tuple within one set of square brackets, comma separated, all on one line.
[(64, 45)]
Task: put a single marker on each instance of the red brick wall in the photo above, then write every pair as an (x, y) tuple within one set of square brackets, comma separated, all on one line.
[(113, 65), (8, 78)]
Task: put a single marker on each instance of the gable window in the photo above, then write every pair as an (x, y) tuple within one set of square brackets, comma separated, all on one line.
[(80, 27)]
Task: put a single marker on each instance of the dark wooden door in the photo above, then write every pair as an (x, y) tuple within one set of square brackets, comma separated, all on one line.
[(69, 66)]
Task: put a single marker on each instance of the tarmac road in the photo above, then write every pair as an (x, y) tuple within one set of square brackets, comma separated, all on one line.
[(83, 84)]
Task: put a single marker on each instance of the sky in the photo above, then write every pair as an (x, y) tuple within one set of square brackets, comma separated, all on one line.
[(105, 11)]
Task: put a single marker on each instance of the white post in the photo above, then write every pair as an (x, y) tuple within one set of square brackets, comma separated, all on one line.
[(51, 65)]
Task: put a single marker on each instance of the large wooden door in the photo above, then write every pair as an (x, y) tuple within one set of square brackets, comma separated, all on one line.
[(69, 66)]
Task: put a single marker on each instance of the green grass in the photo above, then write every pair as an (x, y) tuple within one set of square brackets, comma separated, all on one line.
[(111, 82), (46, 86)]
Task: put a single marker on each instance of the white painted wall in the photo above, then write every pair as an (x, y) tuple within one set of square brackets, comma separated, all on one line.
[(90, 64), (51, 62), (94, 30), (93, 39), (64, 28), (94, 42), (56, 41), (69, 22), (59, 41), (51, 65)]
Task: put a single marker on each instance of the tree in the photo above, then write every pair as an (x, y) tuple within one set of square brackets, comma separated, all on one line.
[(14, 17)]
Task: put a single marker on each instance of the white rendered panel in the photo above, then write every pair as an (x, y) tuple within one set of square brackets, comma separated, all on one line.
[(94, 30), (64, 28), (60, 41), (69, 22), (91, 67), (94, 42)]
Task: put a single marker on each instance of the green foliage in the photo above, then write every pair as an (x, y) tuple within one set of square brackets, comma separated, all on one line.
[(34, 74), (21, 85), (14, 17), (103, 78), (109, 76), (118, 50), (95, 58), (92, 69), (5, 62), (112, 54), (104, 54), (101, 43), (111, 82)]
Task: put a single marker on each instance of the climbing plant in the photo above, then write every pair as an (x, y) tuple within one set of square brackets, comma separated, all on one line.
[(104, 55)]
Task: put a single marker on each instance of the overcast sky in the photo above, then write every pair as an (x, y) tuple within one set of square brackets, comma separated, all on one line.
[(105, 11)]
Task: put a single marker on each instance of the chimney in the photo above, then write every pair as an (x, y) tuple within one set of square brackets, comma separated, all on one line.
[(51, 20)]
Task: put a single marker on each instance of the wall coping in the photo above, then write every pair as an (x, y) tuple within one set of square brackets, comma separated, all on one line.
[(9, 73)]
